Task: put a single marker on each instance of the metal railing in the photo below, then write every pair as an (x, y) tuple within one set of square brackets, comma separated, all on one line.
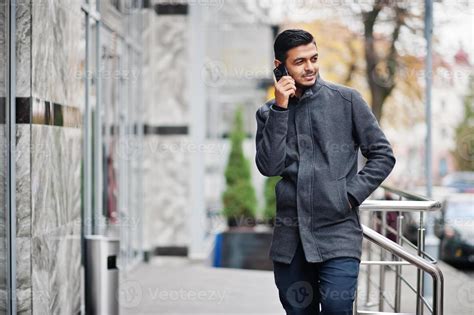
[(424, 262)]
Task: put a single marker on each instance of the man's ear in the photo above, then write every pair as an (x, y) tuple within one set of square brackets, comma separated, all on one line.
[(276, 62)]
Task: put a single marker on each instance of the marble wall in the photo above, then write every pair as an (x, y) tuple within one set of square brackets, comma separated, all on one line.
[(23, 213), (23, 88), (58, 56), (48, 219), (3, 157), (166, 191), (56, 154), (166, 160), (165, 69), (23, 49), (58, 51), (3, 47), (23, 159), (50, 57)]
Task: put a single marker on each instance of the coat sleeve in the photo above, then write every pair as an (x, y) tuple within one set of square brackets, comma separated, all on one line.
[(374, 146), (272, 127)]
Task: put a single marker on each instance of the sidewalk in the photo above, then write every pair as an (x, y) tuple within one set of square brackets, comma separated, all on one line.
[(171, 285), (175, 285)]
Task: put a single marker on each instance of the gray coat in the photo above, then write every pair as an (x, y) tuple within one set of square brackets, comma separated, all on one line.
[(313, 145)]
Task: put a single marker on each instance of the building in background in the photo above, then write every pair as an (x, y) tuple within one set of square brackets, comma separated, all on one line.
[(450, 85), (229, 73)]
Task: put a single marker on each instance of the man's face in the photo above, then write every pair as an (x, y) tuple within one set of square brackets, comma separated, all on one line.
[(302, 64)]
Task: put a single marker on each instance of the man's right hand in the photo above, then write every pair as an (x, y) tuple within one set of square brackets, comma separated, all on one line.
[(283, 90)]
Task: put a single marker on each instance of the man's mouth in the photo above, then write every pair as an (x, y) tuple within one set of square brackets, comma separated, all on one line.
[(309, 77)]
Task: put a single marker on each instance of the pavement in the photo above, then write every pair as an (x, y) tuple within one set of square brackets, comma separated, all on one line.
[(177, 285)]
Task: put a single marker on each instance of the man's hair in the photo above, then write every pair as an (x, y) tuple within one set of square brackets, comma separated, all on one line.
[(289, 39)]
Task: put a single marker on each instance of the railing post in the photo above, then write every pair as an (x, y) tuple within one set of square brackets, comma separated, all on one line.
[(369, 257), (398, 268), (438, 293), (382, 267), (420, 273)]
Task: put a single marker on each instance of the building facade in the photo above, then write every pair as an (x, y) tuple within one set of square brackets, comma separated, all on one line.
[(71, 114)]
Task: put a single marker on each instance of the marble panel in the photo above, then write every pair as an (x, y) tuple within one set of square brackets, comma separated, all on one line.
[(166, 190)]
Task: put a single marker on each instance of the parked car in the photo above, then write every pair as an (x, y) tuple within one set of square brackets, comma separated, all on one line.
[(455, 228), (463, 182)]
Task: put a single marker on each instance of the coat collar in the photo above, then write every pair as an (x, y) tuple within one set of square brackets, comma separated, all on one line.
[(314, 88), (310, 91)]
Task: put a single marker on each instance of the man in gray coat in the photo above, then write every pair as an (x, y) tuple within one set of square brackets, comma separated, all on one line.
[(310, 134)]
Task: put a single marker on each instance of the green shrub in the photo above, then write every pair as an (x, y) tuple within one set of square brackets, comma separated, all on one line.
[(239, 198)]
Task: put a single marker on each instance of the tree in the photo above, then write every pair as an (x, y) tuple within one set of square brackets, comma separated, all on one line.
[(239, 198), (382, 63), (464, 152), (374, 63)]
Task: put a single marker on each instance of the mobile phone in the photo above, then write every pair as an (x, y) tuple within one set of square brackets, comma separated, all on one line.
[(280, 71)]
